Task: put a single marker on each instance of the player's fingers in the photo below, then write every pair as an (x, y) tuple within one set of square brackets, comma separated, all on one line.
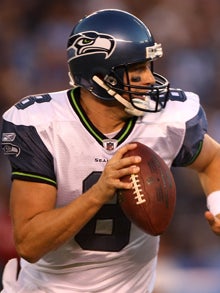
[(117, 167), (123, 167), (118, 162), (113, 172), (123, 150), (127, 171), (210, 218), (124, 185), (127, 166), (214, 222)]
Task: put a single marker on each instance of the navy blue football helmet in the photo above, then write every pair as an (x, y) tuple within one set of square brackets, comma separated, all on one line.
[(100, 49)]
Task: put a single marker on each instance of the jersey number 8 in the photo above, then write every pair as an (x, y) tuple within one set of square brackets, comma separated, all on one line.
[(109, 229)]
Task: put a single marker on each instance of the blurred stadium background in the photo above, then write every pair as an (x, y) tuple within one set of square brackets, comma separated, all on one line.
[(33, 60)]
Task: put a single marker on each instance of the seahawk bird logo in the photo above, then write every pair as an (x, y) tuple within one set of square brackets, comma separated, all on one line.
[(90, 42)]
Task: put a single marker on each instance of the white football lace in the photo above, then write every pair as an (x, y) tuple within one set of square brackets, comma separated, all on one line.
[(137, 189)]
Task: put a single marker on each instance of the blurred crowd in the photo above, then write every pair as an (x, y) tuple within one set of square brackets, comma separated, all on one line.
[(33, 60)]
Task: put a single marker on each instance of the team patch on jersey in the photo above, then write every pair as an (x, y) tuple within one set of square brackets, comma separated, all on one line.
[(91, 42), (8, 137), (11, 149), (7, 147)]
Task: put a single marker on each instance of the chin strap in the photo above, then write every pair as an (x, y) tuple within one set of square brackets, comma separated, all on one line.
[(71, 82), (128, 107)]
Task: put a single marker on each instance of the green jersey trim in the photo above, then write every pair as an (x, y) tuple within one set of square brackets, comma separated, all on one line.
[(120, 136), (33, 177)]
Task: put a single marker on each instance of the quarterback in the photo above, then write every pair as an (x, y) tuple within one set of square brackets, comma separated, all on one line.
[(66, 153)]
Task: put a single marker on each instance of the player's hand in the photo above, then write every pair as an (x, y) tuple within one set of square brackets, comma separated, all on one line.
[(116, 168), (214, 222)]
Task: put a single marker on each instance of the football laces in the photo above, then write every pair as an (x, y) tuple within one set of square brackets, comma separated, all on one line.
[(137, 190)]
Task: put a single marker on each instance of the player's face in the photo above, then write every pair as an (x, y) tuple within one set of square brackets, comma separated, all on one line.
[(139, 75)]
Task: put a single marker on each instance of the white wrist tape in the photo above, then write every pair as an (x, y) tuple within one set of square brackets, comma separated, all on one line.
[(213, 202)]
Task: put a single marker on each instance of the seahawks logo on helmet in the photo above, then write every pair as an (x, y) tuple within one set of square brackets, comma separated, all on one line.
[(88, 43)]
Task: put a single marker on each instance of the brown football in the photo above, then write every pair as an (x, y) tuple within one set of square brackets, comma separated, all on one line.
[(150, 204)]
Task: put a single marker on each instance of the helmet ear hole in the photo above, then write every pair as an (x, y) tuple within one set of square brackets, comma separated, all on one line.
[(111, 80)]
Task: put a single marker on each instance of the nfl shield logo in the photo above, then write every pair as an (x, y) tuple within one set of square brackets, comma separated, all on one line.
[(110, 144)]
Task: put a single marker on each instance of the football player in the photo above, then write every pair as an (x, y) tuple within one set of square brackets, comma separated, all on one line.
[(66, 151)]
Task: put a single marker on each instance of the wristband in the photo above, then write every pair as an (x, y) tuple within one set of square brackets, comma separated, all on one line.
[(213, 202)]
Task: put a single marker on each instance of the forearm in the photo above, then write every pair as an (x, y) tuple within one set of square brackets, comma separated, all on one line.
[(210, 176), (208, 184), (50, 229)]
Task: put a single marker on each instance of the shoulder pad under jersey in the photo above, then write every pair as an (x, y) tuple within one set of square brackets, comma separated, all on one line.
[(177, 95)]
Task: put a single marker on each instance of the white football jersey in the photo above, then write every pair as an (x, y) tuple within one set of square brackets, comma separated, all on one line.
[(49, 138)]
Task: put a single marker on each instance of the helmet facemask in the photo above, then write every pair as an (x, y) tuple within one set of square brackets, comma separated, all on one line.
[(144, 98)]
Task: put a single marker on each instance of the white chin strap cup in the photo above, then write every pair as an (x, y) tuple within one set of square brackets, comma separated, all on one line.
[(128, 107)]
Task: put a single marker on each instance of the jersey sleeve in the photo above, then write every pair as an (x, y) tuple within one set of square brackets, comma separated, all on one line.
[(193, 140), (29, 157)]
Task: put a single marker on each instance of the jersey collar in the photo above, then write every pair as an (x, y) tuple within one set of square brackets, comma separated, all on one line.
[(74, 95)]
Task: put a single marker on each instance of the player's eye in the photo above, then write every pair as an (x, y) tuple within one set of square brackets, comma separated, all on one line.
[(135, 78)]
